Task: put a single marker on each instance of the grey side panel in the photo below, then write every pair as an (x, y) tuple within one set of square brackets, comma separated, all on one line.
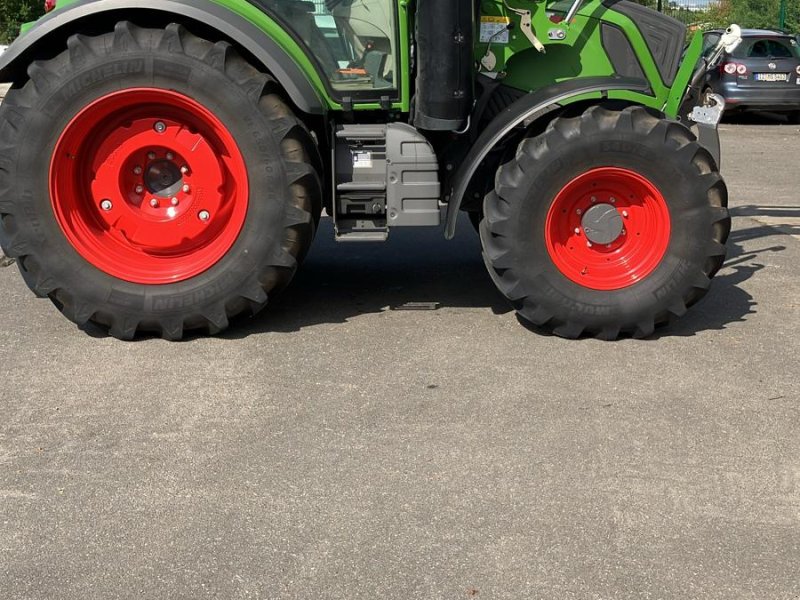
[(413, 191), (516, 115), (14, 61), (664, 35)]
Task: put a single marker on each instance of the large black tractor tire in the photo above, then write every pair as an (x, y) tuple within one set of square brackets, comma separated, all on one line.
[(610, 223), (152, 181)]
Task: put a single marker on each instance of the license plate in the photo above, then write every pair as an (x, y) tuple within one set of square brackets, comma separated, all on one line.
[(771, 76)]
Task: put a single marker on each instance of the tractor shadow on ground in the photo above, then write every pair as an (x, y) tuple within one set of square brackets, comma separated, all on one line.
[(338, 282), (755, 118), (727, 302)]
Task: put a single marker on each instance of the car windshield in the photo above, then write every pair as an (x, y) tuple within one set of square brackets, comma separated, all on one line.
[(772, 47)]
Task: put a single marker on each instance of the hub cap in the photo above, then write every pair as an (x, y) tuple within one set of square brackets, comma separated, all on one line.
[(149, 186), (607, 229)]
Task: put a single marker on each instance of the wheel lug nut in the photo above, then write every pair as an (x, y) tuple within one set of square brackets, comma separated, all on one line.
[(151, 155), (577, 230), (154, 203), (170, 156), (139, 189), (204, 215), (625, 213), (594, 199), (106, 205), (160, 127), (186, 189), (184, 169), (613, 200), (174, 202), (137, 170), (579, 211), (588, 244)]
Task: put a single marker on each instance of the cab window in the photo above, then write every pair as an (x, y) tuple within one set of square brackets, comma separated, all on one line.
[(352, 40)]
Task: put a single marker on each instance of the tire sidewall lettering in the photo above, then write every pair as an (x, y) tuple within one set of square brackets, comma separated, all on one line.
[(99, 75)]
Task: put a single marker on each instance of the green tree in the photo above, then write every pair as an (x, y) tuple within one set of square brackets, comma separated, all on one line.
[(755, 14), (14, 13)]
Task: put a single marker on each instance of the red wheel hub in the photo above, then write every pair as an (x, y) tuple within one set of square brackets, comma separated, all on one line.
[(149, 186), (608, 229)]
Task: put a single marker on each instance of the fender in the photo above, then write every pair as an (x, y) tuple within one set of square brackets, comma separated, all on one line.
[(523, 112), (59, 23)]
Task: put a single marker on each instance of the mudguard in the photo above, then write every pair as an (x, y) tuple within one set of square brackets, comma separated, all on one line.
[(521, 113), (62, 22)]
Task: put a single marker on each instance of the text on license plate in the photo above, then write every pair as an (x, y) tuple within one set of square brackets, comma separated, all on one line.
[(771, 76)]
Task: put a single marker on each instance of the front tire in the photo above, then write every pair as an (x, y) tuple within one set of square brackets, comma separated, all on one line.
[(153, 181), (610, 223)]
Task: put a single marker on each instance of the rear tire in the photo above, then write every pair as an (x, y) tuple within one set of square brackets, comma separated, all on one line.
[(113, 223), (661, 208)]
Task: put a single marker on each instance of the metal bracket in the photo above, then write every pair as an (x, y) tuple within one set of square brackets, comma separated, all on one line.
[(709, 114), (526, 24)]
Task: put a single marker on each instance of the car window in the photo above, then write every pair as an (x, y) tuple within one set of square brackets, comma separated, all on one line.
[(779, 49), (709, 43), (767, 48)]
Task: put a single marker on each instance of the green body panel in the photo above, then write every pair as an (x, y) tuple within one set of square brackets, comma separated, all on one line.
[(579, 54)]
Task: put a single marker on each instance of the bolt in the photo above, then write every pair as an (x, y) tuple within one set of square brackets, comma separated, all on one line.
[(106, 205), (624, 232), (588, 244), (151, 155), (170, 156), (204, 215), (579, 211), (613, 200), (625, 213), (139, 189), (137, 170), (174, 202), (153, 202), (184, 169), (594, 199), (186, 188), (577, 231), (608, 245), (160, 127)]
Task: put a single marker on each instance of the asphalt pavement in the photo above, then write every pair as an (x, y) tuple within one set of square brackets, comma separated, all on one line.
[(334, 448)]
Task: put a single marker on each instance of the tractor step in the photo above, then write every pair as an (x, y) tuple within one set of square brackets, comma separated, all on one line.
[(362, 235)]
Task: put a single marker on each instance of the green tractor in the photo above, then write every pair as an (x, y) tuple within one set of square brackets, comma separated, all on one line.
[(164, 164)]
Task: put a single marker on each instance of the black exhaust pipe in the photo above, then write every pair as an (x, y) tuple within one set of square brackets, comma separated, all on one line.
[(445, 34)]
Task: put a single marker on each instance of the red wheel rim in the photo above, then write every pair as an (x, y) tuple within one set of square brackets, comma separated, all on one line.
[(608, 229), (149, 186)]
